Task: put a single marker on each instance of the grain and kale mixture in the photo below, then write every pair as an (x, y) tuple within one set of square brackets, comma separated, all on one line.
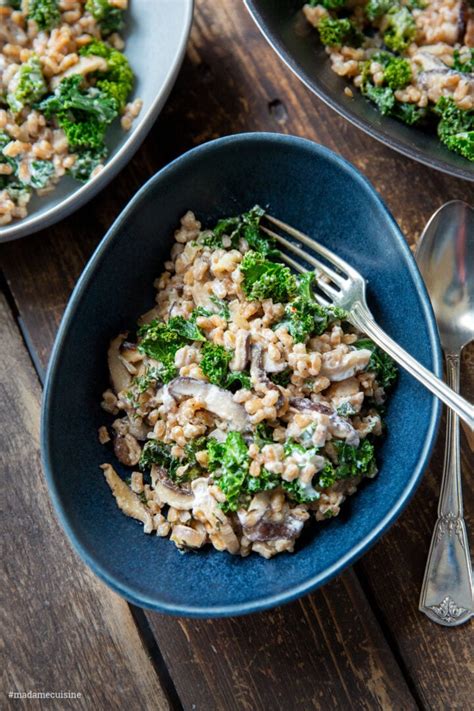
[(243, 408), (63, 80), (414, 59)]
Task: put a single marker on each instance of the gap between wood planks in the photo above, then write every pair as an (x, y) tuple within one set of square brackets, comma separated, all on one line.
[(151, 645), (112, 657)]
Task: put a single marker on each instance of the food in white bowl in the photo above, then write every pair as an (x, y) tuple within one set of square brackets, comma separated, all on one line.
[(243, 408), (64, 79)]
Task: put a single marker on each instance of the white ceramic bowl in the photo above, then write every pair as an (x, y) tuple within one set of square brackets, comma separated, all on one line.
[(156, 35)]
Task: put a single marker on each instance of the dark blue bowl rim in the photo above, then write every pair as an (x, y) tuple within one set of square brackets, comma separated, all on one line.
[(127, 591), (465, 173)]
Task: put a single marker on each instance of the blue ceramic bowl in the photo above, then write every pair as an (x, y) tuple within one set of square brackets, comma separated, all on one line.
[(315, 190)]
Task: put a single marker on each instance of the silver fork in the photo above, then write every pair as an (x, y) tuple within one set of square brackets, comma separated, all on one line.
[(343, 286)]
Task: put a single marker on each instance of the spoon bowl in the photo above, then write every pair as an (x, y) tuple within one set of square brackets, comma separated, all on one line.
[(445, 257)]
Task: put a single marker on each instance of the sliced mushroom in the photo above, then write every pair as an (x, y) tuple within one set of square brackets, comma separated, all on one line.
[(338, 426), (179, 497), (207, 510), (119, 375), (259, 376), (149, 316), (187, 537), (202, 295), (127, 450), (339, 365), (214, 399), (242, 351), (304, 403), (85, 65), (138, 428), (273, 366), (127, 501), (264, 529)]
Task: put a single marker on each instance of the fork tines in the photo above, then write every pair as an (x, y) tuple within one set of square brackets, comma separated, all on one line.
[(330, 281)]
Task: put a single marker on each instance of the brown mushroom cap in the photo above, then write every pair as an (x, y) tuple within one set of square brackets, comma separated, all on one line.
[(338, 426), (258, 374), (179, 497), (218, 401), (119, 375)]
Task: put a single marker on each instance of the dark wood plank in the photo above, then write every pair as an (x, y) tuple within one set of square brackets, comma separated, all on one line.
[(327, 648), (322, 652), (63, 630), (440, 659)]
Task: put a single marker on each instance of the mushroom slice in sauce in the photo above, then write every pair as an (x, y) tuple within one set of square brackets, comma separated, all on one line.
[(338, 365), (126, 499), (119, 375), (218, 401), (242, 351), (263, 529), (187, 537), (127, 450), (259, 376), (179, 497), (206, 509), (338, 426)]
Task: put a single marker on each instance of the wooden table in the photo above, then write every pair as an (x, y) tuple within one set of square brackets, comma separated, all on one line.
[(357, 643)]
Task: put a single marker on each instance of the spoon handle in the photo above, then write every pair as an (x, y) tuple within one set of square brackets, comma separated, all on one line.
[(447, 593)]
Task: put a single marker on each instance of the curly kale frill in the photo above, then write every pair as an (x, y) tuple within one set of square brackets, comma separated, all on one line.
[(117, 81), (30, 85), (456, 127), (110, 19), (45, 13)]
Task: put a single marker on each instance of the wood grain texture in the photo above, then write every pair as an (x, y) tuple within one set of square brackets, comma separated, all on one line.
[(325, 651), (62, 629)]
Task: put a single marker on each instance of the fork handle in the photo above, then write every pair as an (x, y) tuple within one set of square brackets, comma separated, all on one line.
[(363, 320)]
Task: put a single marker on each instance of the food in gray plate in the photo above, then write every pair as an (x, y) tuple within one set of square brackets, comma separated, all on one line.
[(243, 407), (63, 80), (414, 59)]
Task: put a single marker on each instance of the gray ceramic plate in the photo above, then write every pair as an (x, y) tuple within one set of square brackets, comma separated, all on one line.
[(294, 40), (156, 36)]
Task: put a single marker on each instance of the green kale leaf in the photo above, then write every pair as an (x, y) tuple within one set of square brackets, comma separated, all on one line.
[(304, 316), (86, 162), (336, 32), (283, 378), (263, 279), (396, 70), (117, 81), (378, 8), (380, 363), (464, 61), (161, 341), (45, 13), (245, 226), (355, 461), (241, 377), (456, 127), (401, 29), (329, 4), (215, 363), (30, 85), (230, 459), (155, 452), (83, 114), (110, 19)]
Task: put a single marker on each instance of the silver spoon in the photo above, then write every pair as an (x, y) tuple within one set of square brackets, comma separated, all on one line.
[(445, 256)]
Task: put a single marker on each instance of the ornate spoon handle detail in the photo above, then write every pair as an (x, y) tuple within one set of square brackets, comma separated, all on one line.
[(447, 593)]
